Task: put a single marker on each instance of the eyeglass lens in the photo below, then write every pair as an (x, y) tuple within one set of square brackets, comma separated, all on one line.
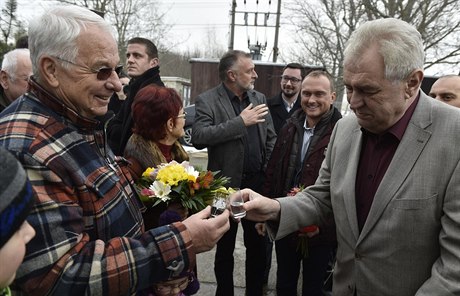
[(104, 73), (293, 80)]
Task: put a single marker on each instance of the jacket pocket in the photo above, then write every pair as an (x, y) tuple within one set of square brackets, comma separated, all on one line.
[(414, 203)]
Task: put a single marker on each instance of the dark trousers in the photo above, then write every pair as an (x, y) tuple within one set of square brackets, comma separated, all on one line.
[(255, 253), (314, 267)]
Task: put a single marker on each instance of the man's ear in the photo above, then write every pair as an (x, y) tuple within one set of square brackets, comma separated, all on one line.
[(231, 75), (49, 72), (4, 79), (413, 82), (154, 62), (333, 97)]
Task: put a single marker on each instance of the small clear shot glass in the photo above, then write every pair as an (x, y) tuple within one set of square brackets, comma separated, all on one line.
[(236, 204), (219, 204)]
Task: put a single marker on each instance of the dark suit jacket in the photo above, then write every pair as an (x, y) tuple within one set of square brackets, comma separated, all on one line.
[(219, 129), (278, 111)]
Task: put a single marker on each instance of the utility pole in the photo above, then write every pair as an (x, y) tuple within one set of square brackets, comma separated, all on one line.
[(232, 26), (255, 49), (277, 27)]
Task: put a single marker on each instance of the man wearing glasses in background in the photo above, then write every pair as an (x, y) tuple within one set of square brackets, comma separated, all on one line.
[(287, 101), (16, 70), (90, 233)]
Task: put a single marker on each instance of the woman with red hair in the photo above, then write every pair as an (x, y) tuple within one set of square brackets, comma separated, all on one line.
[(159, 121)]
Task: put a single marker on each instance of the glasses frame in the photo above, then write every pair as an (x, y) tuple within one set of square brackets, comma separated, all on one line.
[(293, 80), (102, 73), (183, 115)]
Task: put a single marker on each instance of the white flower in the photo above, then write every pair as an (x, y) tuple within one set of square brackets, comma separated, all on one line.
[(161, 190), (192, 172)]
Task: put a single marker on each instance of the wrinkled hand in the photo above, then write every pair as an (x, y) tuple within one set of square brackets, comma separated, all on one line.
[(260, 208), (206, 232), (260, 228), (253, 115)]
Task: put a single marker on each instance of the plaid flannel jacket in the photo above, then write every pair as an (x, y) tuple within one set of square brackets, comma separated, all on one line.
[(90, 238)]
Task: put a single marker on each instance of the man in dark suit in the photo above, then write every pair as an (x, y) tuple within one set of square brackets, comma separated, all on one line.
[(283, 105), (143, 69), (232, 121)]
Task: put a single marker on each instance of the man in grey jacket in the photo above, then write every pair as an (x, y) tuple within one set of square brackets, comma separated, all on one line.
[(232, 121), (389, 180)]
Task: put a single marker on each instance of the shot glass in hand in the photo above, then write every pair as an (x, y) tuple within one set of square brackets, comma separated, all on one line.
[(219, 204), (236, 204)]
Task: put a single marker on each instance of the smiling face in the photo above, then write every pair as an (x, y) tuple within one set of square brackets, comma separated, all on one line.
[(76, 85), (377, 102), (291, 82), (317, 98)]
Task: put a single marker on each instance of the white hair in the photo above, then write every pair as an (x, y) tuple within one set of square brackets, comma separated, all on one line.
[(401, 46), (10, 61), (55, 33)]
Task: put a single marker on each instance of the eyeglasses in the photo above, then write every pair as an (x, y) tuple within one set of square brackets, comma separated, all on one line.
[(103, 73), (293, 80), (182, 115), (165, 288)]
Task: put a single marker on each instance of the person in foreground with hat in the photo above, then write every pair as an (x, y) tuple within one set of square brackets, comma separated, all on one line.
[(16, 200)]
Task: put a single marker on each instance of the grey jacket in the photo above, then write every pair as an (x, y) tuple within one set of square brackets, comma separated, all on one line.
[(410, 243), (219, 129)]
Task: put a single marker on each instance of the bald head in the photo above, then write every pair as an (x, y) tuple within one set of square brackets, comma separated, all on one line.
[(447, 89)]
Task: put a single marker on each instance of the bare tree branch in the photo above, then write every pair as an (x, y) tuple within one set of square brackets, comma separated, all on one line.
[(323, 26), (8, 19)]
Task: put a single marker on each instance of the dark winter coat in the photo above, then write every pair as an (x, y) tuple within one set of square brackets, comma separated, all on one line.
[(278, 111), (120, 127), (284, 170)]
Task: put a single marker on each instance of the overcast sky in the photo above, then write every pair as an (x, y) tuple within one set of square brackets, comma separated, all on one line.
[(192, 20)]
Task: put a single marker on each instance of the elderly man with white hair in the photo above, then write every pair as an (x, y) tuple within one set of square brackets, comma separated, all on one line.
[(16, 70), (90, 238)]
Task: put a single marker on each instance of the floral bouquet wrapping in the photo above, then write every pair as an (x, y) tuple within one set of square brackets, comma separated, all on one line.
[(181, 183), (305, 232)]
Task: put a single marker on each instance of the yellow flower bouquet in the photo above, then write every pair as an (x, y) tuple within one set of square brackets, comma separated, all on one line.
[(180, 182)]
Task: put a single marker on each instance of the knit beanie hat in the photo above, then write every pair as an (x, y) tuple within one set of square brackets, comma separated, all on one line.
[(16, 197)]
